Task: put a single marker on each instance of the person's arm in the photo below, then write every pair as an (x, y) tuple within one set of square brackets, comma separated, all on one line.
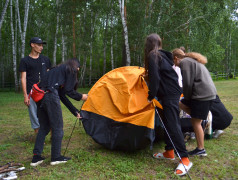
[(23, 84), (188, 78), (154, 76), (69, 87), (68, 104)]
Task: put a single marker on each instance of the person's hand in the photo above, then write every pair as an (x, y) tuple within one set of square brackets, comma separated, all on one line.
[(84, 97), (26, 101), (78, 116)]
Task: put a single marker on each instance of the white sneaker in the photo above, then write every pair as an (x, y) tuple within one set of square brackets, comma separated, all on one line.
[(217, 133)]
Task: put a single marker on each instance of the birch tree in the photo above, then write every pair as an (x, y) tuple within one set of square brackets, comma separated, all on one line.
[(91, 47), (23, 30), (112, 55), (13, 49), (105, 46), (63, 45), (128, 58), (56, 33), (3, 14)]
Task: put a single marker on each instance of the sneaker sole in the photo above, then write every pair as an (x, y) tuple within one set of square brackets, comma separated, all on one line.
[(37, 163), (57, 162), (201, 155)]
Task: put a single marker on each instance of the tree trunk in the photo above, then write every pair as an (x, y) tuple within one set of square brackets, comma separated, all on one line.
[(13, 50), (105, 47), (23, 33), (3, 14), (74, 36), (63, 45), (128, 58), (83, 69), (91, 48), (27, 5), (112, 57), (56, 34)]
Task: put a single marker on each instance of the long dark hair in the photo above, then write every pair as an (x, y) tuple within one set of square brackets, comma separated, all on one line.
[(72, 65), (152, 45)]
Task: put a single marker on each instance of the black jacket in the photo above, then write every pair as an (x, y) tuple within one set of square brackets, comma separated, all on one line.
[(64, 81), (163, 80)]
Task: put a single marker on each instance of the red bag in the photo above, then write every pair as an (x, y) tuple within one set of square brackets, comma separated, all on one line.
[(36, 93)]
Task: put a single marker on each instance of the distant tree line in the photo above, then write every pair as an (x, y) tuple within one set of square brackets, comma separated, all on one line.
[(106, 34)]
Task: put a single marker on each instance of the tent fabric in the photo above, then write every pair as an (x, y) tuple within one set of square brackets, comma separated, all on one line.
[(117, 113)]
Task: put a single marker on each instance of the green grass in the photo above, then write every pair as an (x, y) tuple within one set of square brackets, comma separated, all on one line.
[(92, 161)]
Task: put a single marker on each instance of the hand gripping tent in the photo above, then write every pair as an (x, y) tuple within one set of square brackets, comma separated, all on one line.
[(117, 114)]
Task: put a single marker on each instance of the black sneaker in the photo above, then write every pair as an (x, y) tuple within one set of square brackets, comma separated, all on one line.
[(197, 152), (36, 160), (59, 160)]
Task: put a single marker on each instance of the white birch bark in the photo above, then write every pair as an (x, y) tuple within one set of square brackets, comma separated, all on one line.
[(13, 48), (112, 55), (128, 58), (27, 5), (105, 48), (56, 33), (91, 48), (83, 69), (3, 14), (23, 30), (63, 45)]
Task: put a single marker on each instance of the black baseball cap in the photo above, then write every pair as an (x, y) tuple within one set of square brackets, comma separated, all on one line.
[(37, 40)]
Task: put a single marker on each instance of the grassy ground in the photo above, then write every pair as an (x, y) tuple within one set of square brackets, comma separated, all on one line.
[(92, 161)]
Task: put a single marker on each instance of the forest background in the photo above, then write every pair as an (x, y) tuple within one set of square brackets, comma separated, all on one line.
[(106, 34)]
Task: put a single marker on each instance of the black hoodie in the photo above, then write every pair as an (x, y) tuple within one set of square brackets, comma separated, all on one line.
[(163, 80)]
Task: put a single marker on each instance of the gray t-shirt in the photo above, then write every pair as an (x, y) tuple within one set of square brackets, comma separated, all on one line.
[(197, 81)]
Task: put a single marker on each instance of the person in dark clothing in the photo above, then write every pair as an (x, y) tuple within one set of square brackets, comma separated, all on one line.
[(221, 118), (163, 84), (31, 68), (57, 83)]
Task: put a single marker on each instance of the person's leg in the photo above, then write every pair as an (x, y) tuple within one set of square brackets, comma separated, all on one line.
[(56, 124), (196, 123), (199, 111), (32, 109), (40, 139), (44, 127), (173, 126)]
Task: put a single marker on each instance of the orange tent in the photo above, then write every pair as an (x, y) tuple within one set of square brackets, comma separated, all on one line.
[(117, 113)]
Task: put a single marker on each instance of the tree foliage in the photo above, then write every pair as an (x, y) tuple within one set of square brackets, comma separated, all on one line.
[(208, 27)]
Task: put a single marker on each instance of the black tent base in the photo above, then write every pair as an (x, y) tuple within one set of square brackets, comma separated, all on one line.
[(116, 135)]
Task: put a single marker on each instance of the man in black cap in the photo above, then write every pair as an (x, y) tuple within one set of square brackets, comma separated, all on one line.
[(32, 67)]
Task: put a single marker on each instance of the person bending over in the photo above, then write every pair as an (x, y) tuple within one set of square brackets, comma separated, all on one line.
[(198, 90), (57, 83)]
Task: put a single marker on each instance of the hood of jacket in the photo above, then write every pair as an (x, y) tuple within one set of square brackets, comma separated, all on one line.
[(197, 56), (167, 55)]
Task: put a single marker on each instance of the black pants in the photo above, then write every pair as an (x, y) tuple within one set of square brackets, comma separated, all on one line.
[(50, 117), (172, 124)]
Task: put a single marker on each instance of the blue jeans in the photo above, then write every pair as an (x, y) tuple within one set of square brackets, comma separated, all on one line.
[(32, 109), (50, 117)]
